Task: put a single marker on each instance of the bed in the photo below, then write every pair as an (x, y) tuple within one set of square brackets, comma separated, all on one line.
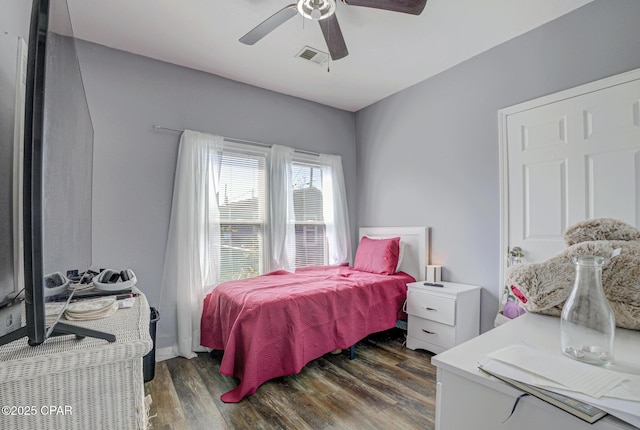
[(274, 324)]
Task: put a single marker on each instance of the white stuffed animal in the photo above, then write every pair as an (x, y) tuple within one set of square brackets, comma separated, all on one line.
[(544, 287)]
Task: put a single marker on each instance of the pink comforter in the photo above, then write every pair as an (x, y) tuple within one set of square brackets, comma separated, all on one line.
[(274, 324)]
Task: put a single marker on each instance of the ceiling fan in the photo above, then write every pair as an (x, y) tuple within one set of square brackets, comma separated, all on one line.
[(323, 11)]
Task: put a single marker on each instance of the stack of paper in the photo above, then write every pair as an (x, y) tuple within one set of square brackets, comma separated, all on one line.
[(614, 392)]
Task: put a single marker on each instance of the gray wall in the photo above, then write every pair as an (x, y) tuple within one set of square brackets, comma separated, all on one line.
[(433, 149), (134, 165)]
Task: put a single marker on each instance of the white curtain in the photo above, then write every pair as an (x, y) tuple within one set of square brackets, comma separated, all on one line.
[(193, 246), (281, 214), (335, 213)]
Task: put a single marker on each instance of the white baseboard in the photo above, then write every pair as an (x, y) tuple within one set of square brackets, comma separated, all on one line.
[(166, 353)]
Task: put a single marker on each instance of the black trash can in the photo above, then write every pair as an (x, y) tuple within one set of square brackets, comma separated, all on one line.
[(149, 360)]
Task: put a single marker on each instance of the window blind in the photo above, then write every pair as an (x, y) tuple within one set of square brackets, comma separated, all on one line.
[(241, 199), (307, 203)]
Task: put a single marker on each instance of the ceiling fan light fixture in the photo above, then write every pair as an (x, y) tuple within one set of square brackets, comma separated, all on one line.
[(316, 9)]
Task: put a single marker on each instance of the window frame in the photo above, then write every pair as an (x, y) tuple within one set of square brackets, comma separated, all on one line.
[(314, 162), (299, 158), (239, 149)]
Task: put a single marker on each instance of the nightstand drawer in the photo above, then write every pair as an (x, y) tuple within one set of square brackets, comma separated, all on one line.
[(432, 332), (432, 307)]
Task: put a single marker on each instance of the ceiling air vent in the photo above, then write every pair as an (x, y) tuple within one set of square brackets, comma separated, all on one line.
[(313, 55)]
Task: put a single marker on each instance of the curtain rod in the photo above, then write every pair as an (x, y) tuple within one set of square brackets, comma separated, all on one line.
[(233, 140)]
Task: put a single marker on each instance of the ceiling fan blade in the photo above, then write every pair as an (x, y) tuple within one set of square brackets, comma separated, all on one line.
[(414, 7), (333, 36), (270, 24)]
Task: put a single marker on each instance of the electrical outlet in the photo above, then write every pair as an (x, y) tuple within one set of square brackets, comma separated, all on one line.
[(10, 319)]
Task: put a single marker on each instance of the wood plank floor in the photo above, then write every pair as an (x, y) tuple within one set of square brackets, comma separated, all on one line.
[(387, 386)]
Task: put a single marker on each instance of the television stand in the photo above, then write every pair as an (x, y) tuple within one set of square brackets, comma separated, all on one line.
[(63, 329), (90, 384)]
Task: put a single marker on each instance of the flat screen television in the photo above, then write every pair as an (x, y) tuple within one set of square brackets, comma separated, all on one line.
[(57, 170)]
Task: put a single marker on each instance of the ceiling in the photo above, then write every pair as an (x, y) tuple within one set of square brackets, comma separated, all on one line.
[(387, 51)]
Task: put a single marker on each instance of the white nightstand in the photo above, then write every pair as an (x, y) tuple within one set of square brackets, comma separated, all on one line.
[(441, 318)]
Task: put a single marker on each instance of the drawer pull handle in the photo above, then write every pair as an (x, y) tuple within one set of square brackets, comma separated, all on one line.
[(430, 309), (428, 332)]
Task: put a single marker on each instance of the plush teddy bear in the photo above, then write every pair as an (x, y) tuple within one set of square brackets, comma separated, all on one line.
[(544, 287)]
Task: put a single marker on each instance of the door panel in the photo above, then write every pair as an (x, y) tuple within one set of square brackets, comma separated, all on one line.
[(544, 187), (575, 158), (610, 176), (538, 176)]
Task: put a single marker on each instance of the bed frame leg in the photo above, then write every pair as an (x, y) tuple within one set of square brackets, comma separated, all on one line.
[(352, 352)]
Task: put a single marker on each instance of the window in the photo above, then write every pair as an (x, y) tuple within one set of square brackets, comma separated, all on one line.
[(307, 205), (241, 200)]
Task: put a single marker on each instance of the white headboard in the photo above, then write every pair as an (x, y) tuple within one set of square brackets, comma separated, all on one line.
[(416, 246)]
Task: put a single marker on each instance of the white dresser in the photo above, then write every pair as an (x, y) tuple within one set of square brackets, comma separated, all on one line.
[(442, 317), (79, 384), (486, 402)]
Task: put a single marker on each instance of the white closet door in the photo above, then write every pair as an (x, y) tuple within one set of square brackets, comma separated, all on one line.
[(570, 157), (538, 153)]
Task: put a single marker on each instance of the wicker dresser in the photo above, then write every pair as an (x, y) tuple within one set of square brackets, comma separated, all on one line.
[(78, 384)]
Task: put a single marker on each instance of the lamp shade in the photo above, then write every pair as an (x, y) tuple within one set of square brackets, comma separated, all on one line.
[(434, 273)]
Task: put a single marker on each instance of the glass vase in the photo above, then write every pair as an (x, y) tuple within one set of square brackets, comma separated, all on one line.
[(587, 323)]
